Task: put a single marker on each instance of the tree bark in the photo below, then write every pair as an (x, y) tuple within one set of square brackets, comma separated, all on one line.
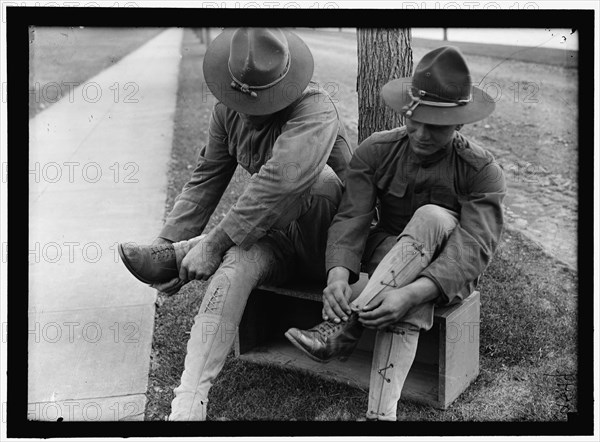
[(384, 54)]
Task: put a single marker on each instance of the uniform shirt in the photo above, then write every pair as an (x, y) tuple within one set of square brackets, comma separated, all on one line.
[(462, 177), (284, 157)]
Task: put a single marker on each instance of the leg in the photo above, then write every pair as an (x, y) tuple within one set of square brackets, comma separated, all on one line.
[(183, 247), (304, 224), (395, 349), (216, 323), (422, 239), (308, 233), (393, 264), (270, 260), (393, 354), (309, 236)]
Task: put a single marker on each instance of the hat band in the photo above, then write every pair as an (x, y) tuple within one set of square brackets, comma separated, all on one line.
[(247, 89), (408, 110)]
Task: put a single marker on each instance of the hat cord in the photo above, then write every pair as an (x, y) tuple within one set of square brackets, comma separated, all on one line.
[(246, 89), (415, 101)]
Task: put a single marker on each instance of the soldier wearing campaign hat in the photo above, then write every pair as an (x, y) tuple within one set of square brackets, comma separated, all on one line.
[(440, 222), (286, 132)]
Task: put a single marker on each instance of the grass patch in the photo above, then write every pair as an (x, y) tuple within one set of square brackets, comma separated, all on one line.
[(528, 312), (62, 55)]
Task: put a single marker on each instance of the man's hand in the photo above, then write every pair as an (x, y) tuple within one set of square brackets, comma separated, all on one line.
[(391, 306), (336, 295), (203, 260), (386, 308), (171, 287), (200, 262)]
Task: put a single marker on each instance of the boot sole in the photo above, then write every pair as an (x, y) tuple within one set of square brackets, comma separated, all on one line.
[(296, 344), (130, 267)]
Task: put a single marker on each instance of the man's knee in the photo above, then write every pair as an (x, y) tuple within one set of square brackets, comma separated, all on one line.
[(328, 185), (238, 259), (435, 217)]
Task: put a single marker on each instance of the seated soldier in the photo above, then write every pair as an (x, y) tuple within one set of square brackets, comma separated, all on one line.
[(440, 222), (283, 129)]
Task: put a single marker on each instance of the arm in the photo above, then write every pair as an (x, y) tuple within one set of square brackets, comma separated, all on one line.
[(391, 306), (349, 228), (472, 243), (348, 233), (298, 156), (201, 194)]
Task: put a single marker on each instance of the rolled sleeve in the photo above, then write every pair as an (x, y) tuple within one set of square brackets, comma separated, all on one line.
[(201, 194), (349, 229), (472, 243), (299, 154)]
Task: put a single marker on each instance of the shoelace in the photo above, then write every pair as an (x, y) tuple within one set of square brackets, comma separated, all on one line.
[(161, 252), (327, 328)]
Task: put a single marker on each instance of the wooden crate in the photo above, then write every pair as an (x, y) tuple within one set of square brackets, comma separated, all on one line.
[(447, 358)]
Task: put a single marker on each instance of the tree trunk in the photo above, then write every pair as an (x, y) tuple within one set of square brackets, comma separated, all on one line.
[(384, 54)]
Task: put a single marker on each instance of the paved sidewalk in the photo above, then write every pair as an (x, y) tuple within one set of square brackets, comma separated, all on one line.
[(98, 176)]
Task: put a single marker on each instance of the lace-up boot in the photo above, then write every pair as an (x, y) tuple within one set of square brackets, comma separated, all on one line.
[(328, 339), (150, 264)]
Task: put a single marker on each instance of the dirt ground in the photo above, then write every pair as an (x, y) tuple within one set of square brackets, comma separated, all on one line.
[(532, 133)]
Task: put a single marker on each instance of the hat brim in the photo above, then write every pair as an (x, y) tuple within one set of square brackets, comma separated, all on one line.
[(267, 101), (395, 94)]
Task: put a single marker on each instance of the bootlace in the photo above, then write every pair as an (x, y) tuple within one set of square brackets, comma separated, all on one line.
[(161, 252), (327, 328), (214, 302)]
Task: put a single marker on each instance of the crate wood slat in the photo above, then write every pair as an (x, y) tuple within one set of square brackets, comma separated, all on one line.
[(459, 348)]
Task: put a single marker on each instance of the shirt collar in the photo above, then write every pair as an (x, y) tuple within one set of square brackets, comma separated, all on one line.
[(428, 160)]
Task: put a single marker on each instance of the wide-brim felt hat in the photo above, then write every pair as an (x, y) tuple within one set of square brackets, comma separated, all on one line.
[(440, 91), (257, 71)]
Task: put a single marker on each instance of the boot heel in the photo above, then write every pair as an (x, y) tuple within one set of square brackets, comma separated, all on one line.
[(348, 352)]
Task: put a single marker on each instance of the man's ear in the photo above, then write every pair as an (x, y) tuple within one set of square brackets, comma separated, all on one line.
[(459, 127)]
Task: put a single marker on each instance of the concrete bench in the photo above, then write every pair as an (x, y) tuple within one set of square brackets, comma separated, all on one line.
[(447, 358)]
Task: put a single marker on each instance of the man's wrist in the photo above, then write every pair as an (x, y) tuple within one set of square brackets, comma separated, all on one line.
[(423, 290), (338, 274), (219, 240)]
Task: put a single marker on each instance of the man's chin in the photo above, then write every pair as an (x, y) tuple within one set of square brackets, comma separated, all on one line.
[(424, 149)]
